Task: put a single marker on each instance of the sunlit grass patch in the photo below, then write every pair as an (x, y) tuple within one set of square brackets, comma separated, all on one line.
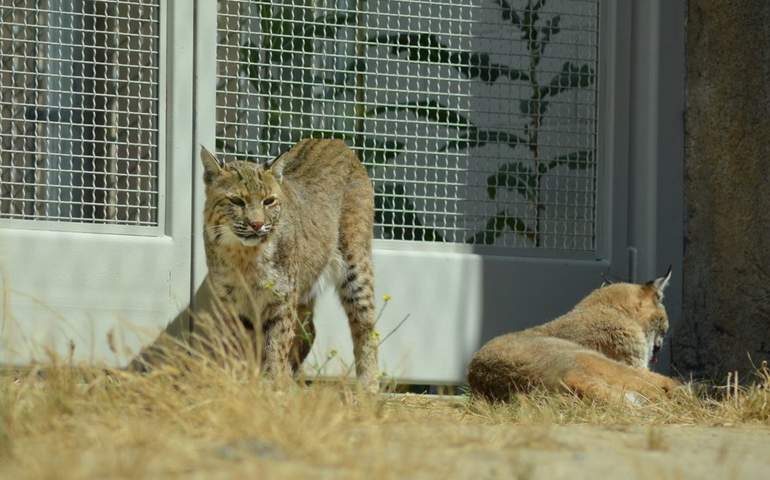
[(204, 407)]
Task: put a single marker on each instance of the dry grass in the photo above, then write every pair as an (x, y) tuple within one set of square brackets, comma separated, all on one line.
[(694, 404), (210, 418)]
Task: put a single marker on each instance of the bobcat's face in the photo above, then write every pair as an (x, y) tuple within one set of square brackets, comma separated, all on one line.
[(656, 327), (656, 321), (243, 203)]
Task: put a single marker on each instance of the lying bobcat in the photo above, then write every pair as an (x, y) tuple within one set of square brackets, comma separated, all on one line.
[(271, 231), (600, 350)]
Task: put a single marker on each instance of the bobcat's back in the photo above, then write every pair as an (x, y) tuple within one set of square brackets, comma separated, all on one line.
[(599, 348), (624, 321)]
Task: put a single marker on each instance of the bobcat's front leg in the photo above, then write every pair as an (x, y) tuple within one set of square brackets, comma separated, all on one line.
[(280, 319)]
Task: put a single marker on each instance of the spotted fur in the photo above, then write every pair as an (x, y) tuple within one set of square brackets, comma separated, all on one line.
[(272, 232)]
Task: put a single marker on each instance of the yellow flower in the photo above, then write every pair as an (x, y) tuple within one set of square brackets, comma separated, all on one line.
[(269, 285), (375, 335), (386, 297)]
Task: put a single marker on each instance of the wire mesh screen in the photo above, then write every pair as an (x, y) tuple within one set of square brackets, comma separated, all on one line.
[(79, 110), (475, 119)]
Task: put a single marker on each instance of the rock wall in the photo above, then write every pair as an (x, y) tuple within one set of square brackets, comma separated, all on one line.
[(726, 305)]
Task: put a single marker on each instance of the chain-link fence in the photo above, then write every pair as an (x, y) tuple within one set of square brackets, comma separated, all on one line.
[(79, 110), (476, 119)]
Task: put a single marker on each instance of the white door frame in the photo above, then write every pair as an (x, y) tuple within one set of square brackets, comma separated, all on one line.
[(70, 285)]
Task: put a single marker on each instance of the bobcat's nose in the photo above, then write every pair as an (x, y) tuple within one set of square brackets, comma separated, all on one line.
[(256, 226)]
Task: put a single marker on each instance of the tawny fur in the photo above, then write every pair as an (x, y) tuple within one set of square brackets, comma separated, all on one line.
[(601, 349), (271, 233)]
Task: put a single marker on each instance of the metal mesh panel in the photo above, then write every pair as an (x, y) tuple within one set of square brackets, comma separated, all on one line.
[(476, 119), (79, 110)]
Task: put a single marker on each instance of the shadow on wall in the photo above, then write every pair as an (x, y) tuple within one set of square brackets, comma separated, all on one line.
[(521, 293), (542, 179)]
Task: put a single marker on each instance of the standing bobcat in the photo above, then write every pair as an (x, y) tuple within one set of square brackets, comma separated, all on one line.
[(600, 349), (271, 231)]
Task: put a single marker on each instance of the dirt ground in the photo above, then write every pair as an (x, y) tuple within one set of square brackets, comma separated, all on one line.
[(198, 419), (521, 452), (583, 451), (411, 436)]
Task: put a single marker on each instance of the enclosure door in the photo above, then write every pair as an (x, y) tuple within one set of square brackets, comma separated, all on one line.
[(95, 163), (495, 134)]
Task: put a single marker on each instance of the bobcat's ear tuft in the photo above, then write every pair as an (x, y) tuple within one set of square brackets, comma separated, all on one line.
[(661, 283), (212, 167), (276, 166)]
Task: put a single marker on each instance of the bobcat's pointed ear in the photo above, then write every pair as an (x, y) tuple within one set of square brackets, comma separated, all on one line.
[(275, 166), (661, 283), (212, 167)]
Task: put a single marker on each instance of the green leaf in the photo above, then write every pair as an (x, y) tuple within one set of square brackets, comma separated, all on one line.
[(376, 152), (420, 47), (343, 82), (492, 230), (286, 32), (330, 25), (550, 29), (529, 21), (283, 36), (571, 76), (477, 65), (233, 152), (513, 176), (531, 105), (578, 160), (249, 56), (274, 116), (426, 47), (509, 13), (474, 138), (271, 44), (520, 226), (429, 109), (329, 134), (495, 227), (396, 212)]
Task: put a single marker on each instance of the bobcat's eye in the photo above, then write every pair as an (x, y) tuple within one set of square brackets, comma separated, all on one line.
[(237, 201), (268, 201)]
